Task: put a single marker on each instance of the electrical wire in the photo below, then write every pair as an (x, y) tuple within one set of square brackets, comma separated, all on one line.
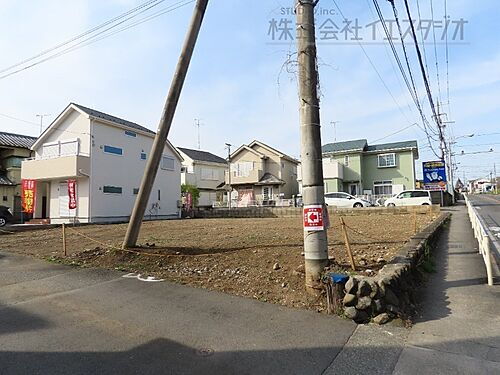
[(426, 126), (99, 36), (435, 51), (396, 132), (44, 52)]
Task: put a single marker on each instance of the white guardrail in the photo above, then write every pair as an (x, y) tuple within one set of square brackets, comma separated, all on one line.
[(482, 237)]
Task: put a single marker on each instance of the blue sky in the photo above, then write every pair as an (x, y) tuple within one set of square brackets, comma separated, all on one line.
[(237, 85)]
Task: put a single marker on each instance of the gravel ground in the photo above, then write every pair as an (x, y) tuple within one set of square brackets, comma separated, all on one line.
[(255, 258)]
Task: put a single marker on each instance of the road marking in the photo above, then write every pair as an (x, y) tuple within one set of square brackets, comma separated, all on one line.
[(149, 279), (495, 229)]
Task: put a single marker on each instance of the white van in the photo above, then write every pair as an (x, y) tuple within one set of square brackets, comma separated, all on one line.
[(410, 198)]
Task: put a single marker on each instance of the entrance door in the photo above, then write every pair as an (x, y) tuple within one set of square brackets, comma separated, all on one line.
[(44, 207), (353, 189)]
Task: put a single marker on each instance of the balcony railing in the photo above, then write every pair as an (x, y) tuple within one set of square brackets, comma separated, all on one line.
[(60, 149)]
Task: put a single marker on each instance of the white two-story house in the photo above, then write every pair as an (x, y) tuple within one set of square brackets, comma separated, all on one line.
[(106, 156), (206, 171)]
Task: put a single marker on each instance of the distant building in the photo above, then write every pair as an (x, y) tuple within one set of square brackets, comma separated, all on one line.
[(262, 175), (14, 148), (357, 168), (206, 171), (107, 157)]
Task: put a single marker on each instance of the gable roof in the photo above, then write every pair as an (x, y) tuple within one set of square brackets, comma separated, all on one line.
[(272, 149), (361, 145), (199, 155), (356, 145), (250, 148), (393, 146), (92, 113), (16, 140), (117, 120)]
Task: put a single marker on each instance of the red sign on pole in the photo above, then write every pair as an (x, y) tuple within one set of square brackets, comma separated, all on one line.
[(189, 201), (313, 218), (28, 191), (72, 194)]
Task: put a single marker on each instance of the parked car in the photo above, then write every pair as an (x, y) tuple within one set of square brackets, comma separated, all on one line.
[(410, 198), (344, 200), (5, 216)]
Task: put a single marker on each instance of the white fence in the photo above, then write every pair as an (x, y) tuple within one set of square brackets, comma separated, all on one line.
[(482, 238)]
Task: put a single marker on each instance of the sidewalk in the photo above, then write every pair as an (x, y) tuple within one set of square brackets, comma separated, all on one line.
[(459, 329)]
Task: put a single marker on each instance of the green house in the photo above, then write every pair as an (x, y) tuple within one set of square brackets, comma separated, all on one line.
[(358, 168)]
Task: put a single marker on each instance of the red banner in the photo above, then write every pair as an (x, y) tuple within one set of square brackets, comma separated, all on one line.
[(28, 191), (72, 194)]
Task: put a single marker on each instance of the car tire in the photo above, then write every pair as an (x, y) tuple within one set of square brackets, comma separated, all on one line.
[(391, 205), (358, 205), (425, 204), (3, 221)]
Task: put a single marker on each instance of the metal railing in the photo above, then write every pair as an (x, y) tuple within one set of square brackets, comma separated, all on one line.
[(482, 237)]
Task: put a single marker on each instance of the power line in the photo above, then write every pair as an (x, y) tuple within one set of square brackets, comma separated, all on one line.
[(424, 75), (18, 119), (79, 36), (447, 55), (396, 132), (426, 127), (374, 67), (435, 50), (99, 36)]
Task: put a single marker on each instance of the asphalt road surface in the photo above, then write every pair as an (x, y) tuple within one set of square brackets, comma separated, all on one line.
[(488, 208), (60, 320)]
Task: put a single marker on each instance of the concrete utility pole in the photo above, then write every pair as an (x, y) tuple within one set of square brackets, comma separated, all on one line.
[(166, 121), (315, 241), (228, 146)]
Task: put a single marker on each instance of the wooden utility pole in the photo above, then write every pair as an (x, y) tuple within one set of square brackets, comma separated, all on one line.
[(315, 241), (166, 121)]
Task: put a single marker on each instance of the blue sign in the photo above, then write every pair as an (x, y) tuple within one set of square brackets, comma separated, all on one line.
[(434, 175)]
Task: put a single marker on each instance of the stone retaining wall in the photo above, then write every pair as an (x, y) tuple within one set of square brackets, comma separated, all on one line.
[(263, 212), (390, 293)]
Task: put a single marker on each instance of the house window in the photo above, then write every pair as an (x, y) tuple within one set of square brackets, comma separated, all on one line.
[(346, 160), (143, 156), (242, 169), (184, 170), (135, 191), (159, 194), (382, 187), (112, 189), (5, 198), (129, 133), (113, 150), (167, 163), (209, 174), (386, 160)]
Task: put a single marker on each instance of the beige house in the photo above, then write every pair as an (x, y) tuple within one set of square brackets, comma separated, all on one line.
[(206, 171), (261, 175), (14, 148)]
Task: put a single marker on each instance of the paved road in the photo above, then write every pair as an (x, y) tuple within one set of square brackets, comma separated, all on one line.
[(60, 320), (488, 207)]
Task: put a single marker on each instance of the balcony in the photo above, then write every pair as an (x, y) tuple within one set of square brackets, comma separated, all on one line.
[(58, 167), (251, 177)]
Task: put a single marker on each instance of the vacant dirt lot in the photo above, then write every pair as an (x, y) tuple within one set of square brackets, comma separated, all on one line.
[(256, 258)]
